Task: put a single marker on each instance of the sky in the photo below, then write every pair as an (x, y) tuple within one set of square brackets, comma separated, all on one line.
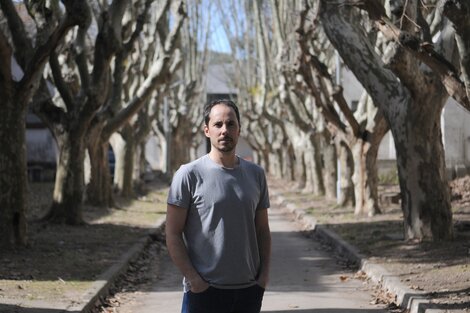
[(218, 39)]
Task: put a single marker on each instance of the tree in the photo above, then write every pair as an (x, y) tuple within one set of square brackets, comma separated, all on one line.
[(361, 131), (83, 86), (409, 86), (16, 94), (134, 84)]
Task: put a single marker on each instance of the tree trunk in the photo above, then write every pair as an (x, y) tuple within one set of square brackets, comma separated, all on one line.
[(69, 183), (424, 188), (265, 161), (99, 189), (329, 166), (289, 168), (13, 178), (365, 178), (318, 183), (125, 155), (180, 144), (346, 186), (412, 106), (300, 169)]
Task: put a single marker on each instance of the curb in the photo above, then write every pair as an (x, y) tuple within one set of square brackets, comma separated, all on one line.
[(412, 300), (102, 284), (100, 287)]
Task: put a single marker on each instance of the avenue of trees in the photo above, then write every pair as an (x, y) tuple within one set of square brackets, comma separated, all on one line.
[(111, 73)]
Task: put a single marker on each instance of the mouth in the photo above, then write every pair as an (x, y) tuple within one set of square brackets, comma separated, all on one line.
[(225, 139)]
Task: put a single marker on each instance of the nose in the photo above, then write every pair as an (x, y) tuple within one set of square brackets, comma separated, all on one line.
[(224, 129)]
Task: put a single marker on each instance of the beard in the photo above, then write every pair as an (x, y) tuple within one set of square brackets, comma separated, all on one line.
[(227, 146)]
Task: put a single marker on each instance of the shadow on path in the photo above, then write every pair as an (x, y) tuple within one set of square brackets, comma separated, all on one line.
[(5, 308), (332, 310)]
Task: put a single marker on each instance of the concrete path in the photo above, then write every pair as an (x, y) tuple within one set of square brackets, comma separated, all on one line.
[(304, 279)]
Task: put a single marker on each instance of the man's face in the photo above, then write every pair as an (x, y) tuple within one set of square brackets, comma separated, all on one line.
[(223, 129)]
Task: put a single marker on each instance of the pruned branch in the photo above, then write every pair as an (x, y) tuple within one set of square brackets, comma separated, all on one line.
[(458, 11), (423, 51), (157, 75), (41, 55), (311, 66), (60, 83)]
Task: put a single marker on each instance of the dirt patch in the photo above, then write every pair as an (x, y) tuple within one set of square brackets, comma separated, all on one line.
[(441, 270), (61, 262)]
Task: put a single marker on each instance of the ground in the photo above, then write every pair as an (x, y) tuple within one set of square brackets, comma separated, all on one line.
[(61, 262), (33, 273), (440, 269)]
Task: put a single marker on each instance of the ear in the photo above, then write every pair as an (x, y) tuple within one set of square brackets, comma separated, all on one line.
[(206, 131)]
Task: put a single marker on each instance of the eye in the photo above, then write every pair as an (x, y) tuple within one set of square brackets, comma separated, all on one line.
[(218, 124)]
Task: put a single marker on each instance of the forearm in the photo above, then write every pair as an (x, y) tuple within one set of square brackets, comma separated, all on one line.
[(179, 255), (264, 246)]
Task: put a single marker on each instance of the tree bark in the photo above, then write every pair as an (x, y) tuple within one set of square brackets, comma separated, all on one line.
[(100, 187), (314, 179), (16, 95), (68, 190), (420, 156), (329, 166), (365, 178), (13, 178), (125, 184), (346, 169), (424, 188)]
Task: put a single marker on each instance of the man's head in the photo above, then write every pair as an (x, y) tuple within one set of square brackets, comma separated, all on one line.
[(222, 125), (208, 107)]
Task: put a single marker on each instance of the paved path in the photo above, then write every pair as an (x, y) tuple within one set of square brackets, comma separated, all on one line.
[(304, 279)]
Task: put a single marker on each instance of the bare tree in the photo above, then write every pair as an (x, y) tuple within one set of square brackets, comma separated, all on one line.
[(410, 84), (81, 73), (16, 94), (179, 121), (361, 131), (135, 81)]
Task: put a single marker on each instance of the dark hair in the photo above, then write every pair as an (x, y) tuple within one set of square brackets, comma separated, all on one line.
[(208, 107)]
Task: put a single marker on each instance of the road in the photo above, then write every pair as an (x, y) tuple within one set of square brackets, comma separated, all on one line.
[(305, 278)]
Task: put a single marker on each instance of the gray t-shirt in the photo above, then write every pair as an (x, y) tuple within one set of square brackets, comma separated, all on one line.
[(220, 233)]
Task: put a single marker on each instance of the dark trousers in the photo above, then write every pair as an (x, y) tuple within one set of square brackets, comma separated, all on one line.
[(213, 300)]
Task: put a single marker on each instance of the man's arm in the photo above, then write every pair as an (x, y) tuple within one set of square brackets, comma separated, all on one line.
[(175, 221), (263, 235)]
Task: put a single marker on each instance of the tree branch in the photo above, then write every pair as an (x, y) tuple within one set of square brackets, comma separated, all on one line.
[(156, 77), (60, 83), (5, 68), (458, 11), (423, 51), (42, 53), (304, 34), (19, 36), (357, 52), (81, 58)]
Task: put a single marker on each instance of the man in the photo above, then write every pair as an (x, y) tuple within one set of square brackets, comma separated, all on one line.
[(217, 229)]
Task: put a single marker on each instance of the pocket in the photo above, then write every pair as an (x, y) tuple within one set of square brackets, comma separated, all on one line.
[(260, 287), (202, 292)]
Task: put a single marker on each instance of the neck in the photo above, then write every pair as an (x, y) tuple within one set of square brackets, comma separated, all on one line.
[(228, 159)]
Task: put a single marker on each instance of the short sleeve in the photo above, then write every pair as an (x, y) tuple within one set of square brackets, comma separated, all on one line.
[(264, 193), (179, 193)]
